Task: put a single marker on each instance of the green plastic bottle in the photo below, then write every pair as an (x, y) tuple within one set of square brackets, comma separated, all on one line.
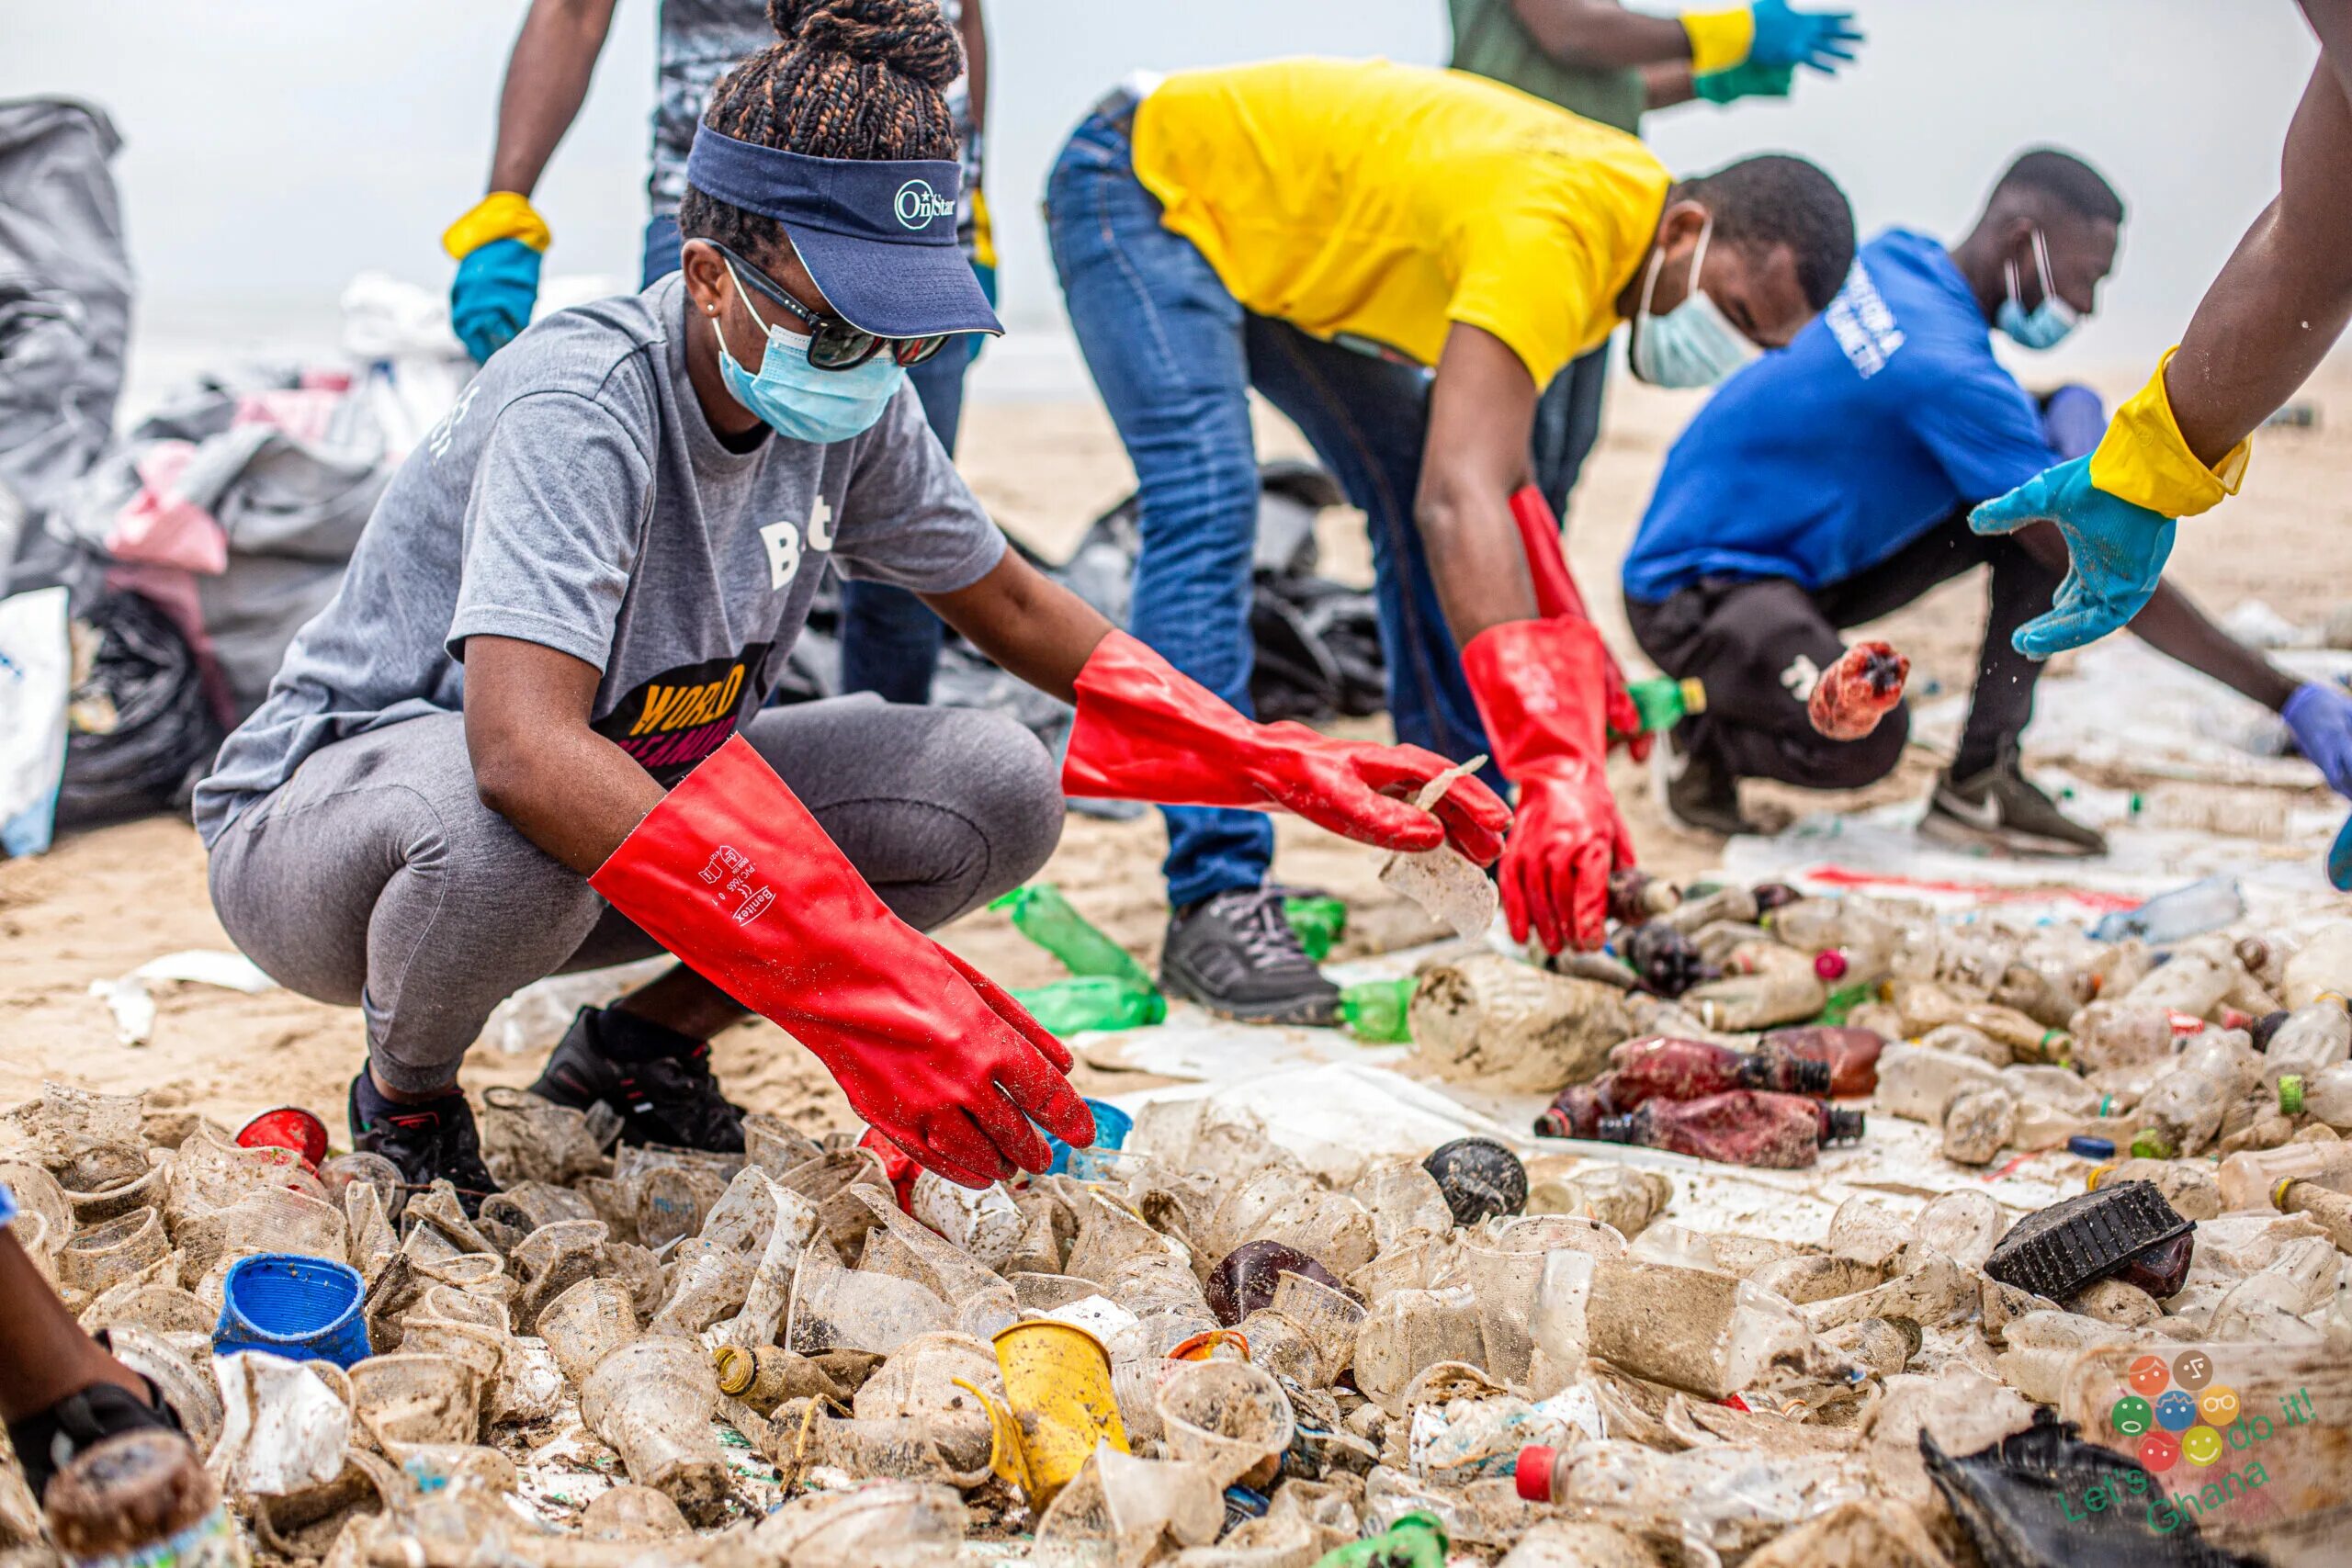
[(1093, 1001), (1416, 1540), (1374, 1010), (1045, 916), (1318, 920), (1665, 702)]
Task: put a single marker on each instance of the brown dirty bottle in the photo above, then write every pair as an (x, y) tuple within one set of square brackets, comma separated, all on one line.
[(1742, 1127), (1851, 1054), (1662, 1068), (141, 1497)]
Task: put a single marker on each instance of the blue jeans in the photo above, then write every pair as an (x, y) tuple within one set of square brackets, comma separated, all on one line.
[(1174, 355), (889, 638)]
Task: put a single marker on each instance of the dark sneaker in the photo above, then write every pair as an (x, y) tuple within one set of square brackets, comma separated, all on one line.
[(1999, 810), (1696, 792), (430, 1141), (47, 1440), (656, 1078), (1236, 955)]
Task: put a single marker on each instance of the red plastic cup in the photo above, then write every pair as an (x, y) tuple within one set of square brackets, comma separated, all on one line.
[(287, 1127)]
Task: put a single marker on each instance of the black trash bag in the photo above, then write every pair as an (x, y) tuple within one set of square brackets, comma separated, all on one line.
[(151, 731), (2022, 1503)]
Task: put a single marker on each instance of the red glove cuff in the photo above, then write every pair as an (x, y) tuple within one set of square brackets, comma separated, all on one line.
[(1542, 689)]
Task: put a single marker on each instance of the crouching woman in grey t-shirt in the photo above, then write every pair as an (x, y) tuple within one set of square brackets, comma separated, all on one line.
[(527, 735)]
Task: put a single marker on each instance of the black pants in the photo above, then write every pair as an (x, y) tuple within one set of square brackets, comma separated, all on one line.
[(1759, 645)]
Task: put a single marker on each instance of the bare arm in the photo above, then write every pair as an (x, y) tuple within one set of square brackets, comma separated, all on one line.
[(2332, 20), (975, 30), (1482, 410), (2285, 294), (1602, 33), (536, 761), (1670, 84), (547, 80), (2172, 624), (1032, 627)]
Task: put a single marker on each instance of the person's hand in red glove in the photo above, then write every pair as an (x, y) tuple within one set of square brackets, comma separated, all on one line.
[(1541, 687), (733, 875), (1144, 731)]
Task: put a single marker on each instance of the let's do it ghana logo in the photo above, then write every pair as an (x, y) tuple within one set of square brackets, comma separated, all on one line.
[(2179, 1414)]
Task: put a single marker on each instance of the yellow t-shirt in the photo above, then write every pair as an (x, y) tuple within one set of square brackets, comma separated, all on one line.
[(1364, 201)]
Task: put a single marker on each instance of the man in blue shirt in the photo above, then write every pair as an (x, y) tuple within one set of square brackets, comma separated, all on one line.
[(1830, 485)]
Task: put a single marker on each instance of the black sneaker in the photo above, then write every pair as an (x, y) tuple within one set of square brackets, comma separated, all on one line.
[(1695, 791), (1235, 954), (657, 1079), (47, 1440), (429, 1142), (1999, 810)]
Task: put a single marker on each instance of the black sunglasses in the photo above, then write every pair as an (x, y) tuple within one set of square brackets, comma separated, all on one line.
[(833, 343)]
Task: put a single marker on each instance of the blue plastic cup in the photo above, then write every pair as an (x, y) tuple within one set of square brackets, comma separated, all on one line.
[(305, 1308), (1111, 1126)]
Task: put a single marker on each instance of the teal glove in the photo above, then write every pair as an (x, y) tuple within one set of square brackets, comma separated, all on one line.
[(491, 300), (1823, 39), (2117, 551), (2339, 858), (1747, 80)]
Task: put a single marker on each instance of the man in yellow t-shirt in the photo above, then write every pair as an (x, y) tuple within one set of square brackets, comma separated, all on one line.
[(1397, 258)]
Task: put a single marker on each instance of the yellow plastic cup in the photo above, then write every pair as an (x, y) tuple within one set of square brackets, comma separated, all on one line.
[(1057, 1384)]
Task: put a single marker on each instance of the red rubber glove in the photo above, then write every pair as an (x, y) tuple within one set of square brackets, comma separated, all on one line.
[(1557, 596), (1538, 686), (733, 876), (1147, 732)]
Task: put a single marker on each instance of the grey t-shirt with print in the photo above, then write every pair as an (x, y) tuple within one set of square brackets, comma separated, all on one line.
[(576, 498), (702, 40)]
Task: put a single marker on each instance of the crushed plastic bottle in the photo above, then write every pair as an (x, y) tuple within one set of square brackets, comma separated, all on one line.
[(2176, 916), (1850, 1053), (1376, 1012), (1040, 913), (1743, 1127), (1857, 690), (1319, 920), (1093, 1001)]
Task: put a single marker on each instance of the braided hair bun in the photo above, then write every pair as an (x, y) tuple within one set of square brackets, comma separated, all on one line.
[(910, 38), (845, 79)]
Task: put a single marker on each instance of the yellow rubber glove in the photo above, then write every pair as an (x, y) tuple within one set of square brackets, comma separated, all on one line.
[(501, 215), (2144, 460), (1719, 39)]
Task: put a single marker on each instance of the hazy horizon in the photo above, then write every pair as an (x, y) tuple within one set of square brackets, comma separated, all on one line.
[(274, 150)]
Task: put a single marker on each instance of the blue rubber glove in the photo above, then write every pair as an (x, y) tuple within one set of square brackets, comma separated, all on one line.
[(490, 301), (2320, 714), (1822, 40), (1747, 80), (2118, 551)]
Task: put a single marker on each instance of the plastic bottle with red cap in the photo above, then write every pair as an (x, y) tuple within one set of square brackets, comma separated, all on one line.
[(1540, 1475)]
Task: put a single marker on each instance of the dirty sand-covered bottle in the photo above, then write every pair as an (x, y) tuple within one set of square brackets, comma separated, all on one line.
[(1764, 984), (1493, 1019)]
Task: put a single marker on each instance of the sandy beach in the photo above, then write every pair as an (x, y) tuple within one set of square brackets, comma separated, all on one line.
[(102, 902)]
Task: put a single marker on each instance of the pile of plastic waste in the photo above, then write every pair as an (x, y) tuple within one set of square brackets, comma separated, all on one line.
[(1184, 1347)]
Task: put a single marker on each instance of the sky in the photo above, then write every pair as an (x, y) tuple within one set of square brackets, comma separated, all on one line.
[(273, 148)]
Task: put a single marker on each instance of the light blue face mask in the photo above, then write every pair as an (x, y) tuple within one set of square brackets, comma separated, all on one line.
[(2047, 324), (1694, 344), (799, 402)]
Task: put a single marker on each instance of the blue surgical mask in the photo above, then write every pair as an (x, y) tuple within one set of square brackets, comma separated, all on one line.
[(2047, 324), (1694, 344), (799, 402)]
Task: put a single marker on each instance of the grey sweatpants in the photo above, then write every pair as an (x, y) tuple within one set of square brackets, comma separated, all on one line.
[(376, 875)]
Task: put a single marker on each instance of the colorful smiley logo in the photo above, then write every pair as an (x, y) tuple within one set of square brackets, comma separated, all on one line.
[(2148, 1375), (2130, 1416), (2175, 1411), (2218, 1404), (2200, 1445), (2192, 1370), (2160, 1452)]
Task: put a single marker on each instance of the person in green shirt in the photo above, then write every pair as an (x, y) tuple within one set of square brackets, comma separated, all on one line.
[(1597, 59)]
